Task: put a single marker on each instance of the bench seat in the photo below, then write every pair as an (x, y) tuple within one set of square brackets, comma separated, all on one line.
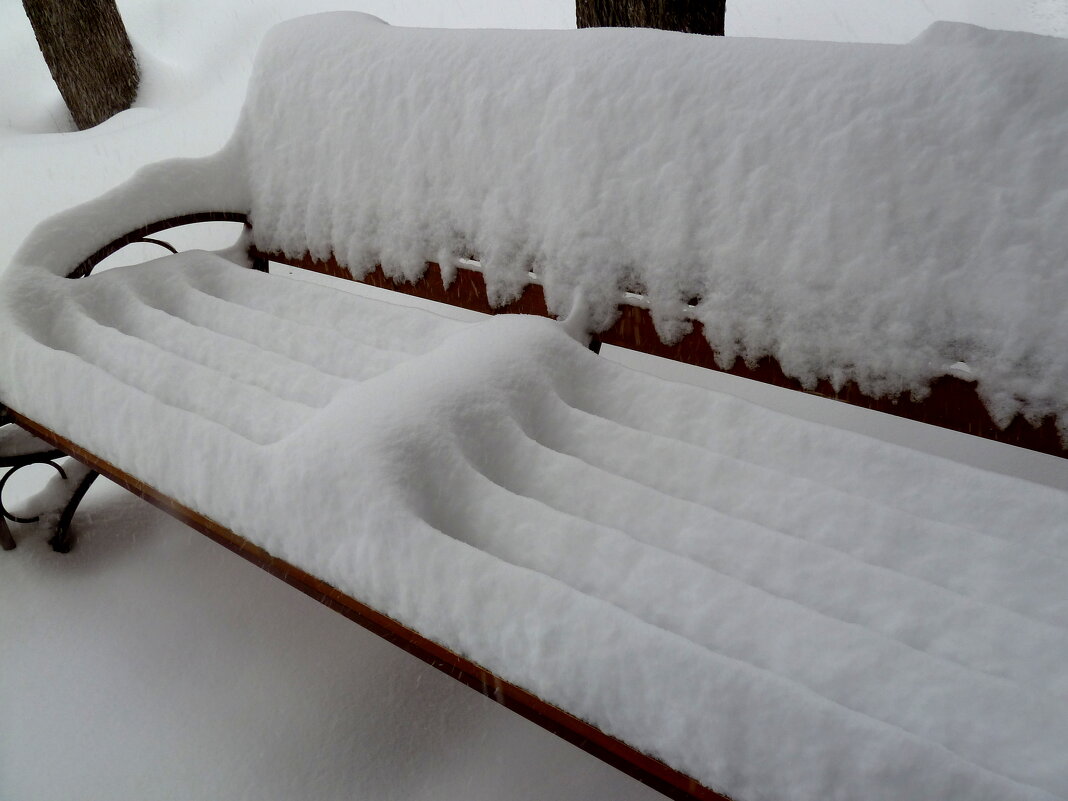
[(773, 607)]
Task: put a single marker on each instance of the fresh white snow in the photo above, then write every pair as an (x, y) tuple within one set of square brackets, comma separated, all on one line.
[(503, 461), (883, 214), (865, 212), (606, 539)]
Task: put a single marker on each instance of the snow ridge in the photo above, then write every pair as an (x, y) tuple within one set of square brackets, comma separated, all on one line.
[(605, 539)]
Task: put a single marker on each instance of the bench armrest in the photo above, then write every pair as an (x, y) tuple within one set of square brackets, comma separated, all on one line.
[(157, 197)]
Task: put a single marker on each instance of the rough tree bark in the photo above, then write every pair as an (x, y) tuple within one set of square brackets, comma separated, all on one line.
[(688, 16), (89, 55)]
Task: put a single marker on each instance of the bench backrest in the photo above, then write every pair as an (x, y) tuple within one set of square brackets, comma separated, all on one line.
[(873, 223), (833, 218)]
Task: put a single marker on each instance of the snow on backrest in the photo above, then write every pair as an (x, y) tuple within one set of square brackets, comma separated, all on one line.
[(858, 211)]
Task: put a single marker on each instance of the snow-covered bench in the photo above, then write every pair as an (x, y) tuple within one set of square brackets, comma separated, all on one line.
[(700, 591)]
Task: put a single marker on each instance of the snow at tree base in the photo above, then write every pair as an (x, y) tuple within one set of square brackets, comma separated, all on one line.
[(778, 608)]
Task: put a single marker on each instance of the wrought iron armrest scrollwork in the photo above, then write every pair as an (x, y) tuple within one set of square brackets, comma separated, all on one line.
[(144, 233), (19, 449)]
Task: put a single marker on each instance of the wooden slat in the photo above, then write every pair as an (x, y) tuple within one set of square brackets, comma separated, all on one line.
[(952, 403), (609, 749)]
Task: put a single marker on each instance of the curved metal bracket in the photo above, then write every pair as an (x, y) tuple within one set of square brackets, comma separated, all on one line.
[(62, 538), (9, 474), (141, 235), (160, 242)]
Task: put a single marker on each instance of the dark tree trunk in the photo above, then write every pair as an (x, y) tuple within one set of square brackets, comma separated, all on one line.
[(688, 16), (88, 52)]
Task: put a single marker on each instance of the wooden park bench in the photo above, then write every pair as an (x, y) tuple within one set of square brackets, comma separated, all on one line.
[(370, 455)]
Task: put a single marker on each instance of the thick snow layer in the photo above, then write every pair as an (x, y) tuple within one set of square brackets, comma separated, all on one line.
[(879, 213), (870, 212), (182, 672), (777, 608)]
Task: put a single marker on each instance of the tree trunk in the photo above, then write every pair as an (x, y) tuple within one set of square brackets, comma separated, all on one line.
[(688, 16), (89, 55)]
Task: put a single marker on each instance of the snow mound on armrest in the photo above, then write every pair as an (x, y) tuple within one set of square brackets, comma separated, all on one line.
[(155, 193)]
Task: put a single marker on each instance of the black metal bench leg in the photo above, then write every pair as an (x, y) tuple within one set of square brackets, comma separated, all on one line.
[(63, 499), (62, 540), (7, 542)]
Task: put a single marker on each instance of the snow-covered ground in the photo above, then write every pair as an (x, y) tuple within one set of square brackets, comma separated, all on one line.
[(150, 663)]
